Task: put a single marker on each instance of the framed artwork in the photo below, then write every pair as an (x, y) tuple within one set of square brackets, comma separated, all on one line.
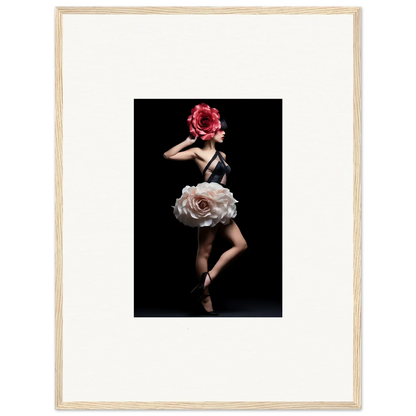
[(243, 293), (208, 207)]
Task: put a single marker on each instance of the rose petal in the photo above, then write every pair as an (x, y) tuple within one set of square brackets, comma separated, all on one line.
[(203, 121)]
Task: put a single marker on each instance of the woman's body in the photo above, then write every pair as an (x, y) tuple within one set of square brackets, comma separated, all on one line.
[(205, 159)]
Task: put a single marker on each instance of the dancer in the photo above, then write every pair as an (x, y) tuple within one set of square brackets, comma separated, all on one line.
[(209, 206)]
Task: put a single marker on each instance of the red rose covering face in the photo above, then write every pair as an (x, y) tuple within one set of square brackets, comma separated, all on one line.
[(204, 121)]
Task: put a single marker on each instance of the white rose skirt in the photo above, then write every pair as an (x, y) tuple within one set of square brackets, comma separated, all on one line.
[(205, 205)]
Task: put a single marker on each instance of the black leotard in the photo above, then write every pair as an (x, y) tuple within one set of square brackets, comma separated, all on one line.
[(220, 172)]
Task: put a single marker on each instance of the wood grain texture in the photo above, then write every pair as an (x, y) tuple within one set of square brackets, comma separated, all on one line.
[(356, 403), (357, 207), (208, 10), (208, 405), (58, 209)]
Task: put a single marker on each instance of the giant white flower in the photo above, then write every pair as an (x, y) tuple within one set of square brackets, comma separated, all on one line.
[(205, 205)]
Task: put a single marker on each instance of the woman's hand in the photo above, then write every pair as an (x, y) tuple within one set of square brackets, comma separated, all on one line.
[(190, 139)]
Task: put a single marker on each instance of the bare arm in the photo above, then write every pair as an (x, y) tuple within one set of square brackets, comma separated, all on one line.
[(175, 152)]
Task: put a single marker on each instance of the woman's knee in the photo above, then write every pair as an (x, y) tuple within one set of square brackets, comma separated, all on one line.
[(242, 245), (205, 250)]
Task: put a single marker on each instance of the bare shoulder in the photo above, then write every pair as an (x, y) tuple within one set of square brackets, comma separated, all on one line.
[(223, 155), (202, 154), (198, 152)]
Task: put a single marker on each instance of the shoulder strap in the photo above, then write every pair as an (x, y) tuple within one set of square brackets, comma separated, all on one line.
[(207, 166), (222, 159)]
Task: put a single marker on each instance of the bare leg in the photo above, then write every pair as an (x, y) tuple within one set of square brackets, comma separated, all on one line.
[(206, 236), (233, 234)]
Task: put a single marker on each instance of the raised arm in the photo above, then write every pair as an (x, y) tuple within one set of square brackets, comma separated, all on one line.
[(175, 152)]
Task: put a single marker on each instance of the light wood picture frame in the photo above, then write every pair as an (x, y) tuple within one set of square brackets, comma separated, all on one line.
[(60, 263)]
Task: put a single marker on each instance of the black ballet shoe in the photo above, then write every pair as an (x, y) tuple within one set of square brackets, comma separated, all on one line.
[(198, 290), (203, 310)]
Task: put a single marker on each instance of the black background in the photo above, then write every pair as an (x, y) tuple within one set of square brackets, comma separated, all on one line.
[(165, 249)]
